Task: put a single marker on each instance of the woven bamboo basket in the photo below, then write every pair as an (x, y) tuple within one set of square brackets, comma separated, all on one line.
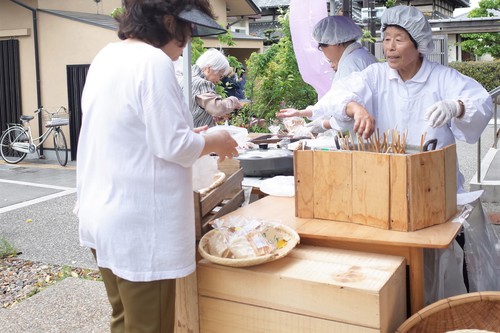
[(280, 231), (474, 312)]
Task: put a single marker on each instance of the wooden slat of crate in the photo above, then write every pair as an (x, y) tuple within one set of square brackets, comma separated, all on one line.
[(331, 284), (186, 305), (229, 190), (426, 198), (222, 316), (398, 208), (450, 172), (370, 189), (225, 207), (304, 183), (408, 193), (226, 190), (332, 185)]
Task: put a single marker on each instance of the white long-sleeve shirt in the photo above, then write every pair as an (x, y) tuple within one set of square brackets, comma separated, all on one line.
[(135, 153), (398, 104), (354, 59)]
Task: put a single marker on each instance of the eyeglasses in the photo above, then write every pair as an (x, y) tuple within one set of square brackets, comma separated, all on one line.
[(321, 46)]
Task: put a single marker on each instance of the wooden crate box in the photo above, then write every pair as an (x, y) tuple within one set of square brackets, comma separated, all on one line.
[(220, 201), (312, 289), (389, 191)]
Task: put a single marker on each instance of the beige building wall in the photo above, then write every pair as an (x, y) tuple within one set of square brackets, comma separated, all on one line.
[(219, 9), (105, 7), (76, 43), (17, 23)]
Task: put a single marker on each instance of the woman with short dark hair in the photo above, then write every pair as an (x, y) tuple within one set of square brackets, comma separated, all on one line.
[(136, 148)]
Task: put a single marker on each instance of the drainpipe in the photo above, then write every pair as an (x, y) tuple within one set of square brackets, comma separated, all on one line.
[(37, 64)]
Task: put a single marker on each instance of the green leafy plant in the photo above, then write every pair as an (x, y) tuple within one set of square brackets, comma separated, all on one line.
[(367, 37), (484, 72), (274, 81), (390, 3), (483, 43), (117, 11)]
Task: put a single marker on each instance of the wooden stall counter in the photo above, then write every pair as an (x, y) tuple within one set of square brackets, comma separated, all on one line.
[(356, 237)]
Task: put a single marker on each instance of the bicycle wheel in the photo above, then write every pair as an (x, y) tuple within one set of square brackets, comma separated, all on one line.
[(60, 146), (10, 137)]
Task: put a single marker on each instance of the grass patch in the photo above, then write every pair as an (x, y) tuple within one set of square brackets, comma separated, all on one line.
[(6, 250)]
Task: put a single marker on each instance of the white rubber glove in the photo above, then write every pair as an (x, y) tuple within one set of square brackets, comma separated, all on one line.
[(441, 112), (316, 126)]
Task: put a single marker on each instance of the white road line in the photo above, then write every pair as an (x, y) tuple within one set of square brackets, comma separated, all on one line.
[(64, 192), (36, 185)]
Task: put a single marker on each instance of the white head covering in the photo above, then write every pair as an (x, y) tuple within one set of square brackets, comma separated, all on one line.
[(414, 22), (333, 30), (214, 59)]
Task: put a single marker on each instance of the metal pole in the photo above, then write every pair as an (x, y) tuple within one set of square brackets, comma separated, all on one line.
[(37, 66), (186, 74), (479, 160), (346, 8), (333, 8)]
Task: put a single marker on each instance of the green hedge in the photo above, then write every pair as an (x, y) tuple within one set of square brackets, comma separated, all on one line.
[(484, 72)]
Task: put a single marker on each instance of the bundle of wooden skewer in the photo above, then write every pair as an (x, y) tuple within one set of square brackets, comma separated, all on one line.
[(391, 141)]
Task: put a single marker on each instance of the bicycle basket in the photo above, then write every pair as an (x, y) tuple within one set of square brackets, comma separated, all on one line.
[(53, 119)]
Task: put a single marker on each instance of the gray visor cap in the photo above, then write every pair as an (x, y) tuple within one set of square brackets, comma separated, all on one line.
[(203, 25)]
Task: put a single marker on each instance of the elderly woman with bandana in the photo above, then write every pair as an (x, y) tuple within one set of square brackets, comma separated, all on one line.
[(408, 91)]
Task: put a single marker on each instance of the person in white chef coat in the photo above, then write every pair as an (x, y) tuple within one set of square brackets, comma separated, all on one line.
[(337, 38), (136, 148), (408, 91)]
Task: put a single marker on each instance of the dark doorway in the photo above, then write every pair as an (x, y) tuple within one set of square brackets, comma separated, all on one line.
[(76, 75), (10, 83)]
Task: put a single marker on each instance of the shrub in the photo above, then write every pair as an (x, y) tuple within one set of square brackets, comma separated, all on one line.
[(484, 72), (273, 79)]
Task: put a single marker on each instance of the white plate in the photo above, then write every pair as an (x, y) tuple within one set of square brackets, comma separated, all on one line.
[(280, 186)]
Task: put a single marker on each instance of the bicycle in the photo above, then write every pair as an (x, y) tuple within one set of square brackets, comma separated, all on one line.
[(17, 141)]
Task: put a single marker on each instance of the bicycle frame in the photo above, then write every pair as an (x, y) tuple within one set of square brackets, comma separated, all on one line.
[(34, 143), (30, 147)]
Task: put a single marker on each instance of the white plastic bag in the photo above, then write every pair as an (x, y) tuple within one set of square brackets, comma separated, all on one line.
[(204, 170), (482, 252)]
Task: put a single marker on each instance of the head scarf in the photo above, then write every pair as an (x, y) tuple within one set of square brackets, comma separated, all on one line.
[(333, 30), (414, 22)]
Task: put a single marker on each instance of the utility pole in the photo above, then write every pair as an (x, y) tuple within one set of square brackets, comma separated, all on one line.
[(346, 8), (370, 4), (333, 8)]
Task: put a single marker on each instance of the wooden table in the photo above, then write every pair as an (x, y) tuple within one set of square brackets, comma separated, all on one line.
[(357, 237)]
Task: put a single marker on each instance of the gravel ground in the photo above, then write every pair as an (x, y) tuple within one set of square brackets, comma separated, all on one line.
[(20, 279)]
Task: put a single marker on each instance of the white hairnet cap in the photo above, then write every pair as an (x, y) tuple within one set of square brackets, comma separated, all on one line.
[(414, 22), (333, 30)]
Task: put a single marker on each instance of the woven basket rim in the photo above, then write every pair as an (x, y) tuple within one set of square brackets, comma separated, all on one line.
[(245, 262), (431, 315)]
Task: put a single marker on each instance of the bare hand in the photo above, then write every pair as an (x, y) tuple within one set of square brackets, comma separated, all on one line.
[(286, 113), (364, 123), (200, 129), (222, 144)]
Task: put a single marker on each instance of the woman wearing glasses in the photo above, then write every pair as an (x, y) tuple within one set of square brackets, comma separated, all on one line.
[(337, 38)]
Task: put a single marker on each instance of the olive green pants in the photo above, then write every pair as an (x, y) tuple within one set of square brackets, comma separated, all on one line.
[(140, 307)]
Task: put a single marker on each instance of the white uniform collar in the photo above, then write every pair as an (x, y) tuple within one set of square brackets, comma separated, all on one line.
[(421, 76)]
